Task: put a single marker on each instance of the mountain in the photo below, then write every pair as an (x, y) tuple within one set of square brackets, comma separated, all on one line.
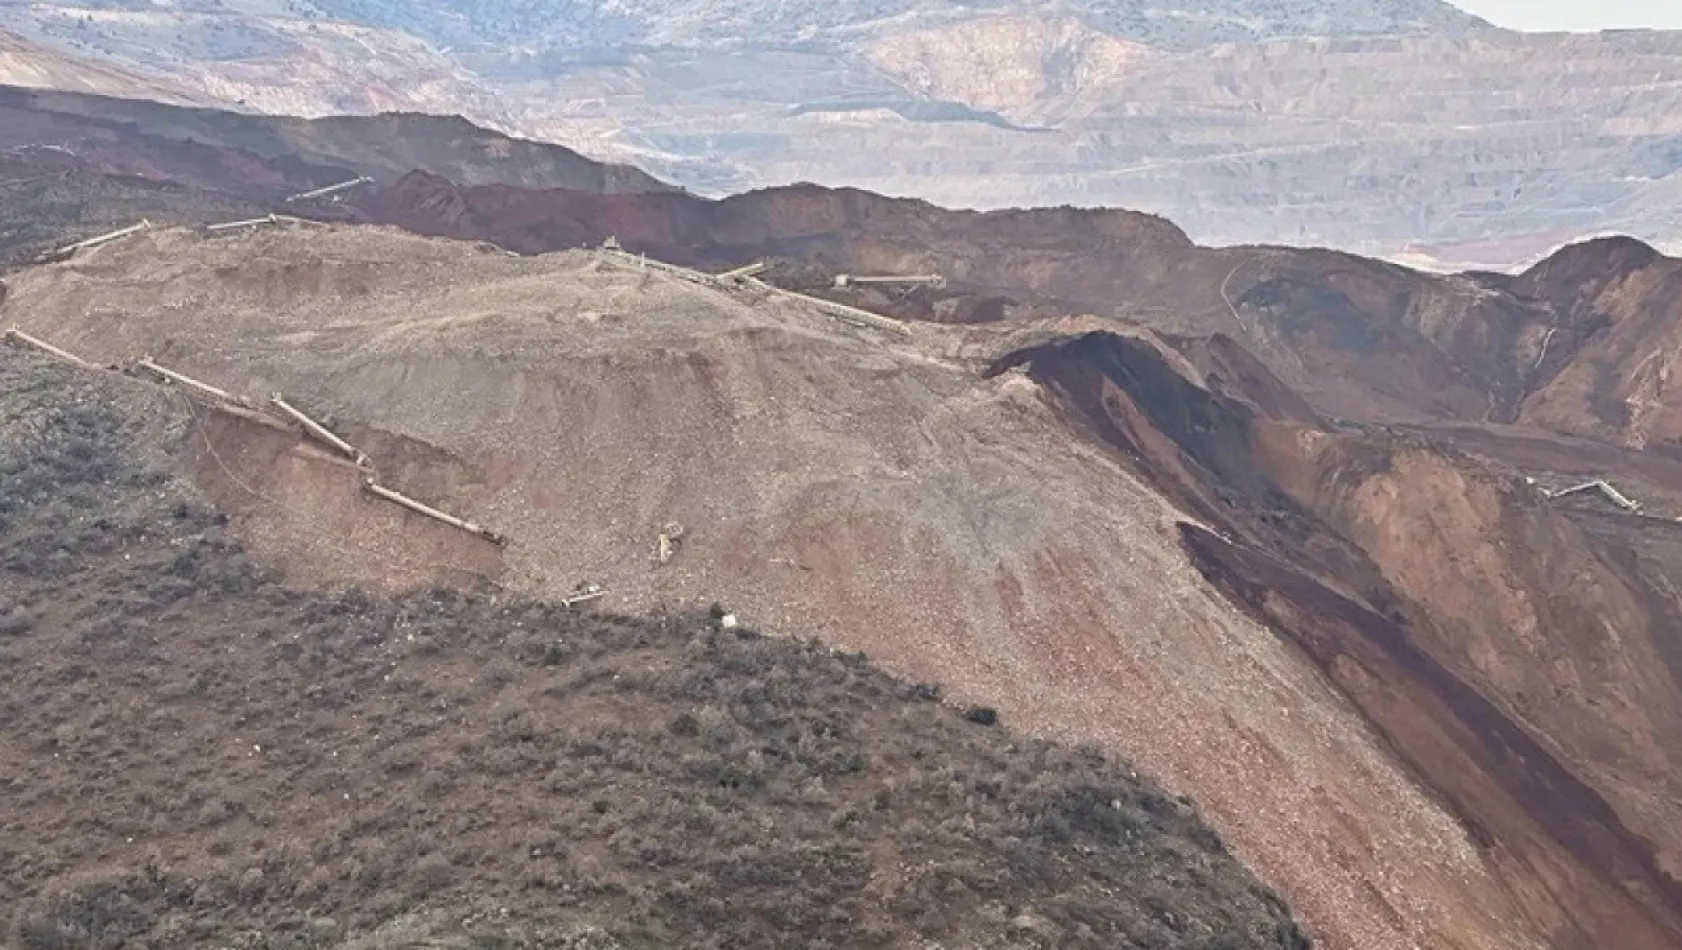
[(198, 756), (73, 165), (526, 28), (1244, 121), (585, 25), (28, 64), (1364, 561)]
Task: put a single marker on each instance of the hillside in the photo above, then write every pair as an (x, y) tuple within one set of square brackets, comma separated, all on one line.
[(879, 495), (859, 488), (384, 146), (197, 756), (1335, 521), (594, 26), (1359, 338), (1244, 122), (31, 65)]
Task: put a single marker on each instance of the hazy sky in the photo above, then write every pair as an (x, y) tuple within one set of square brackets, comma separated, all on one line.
[(1577, 14)]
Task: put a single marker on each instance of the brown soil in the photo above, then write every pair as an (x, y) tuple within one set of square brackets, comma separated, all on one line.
[(241, 152), (1436, 708), (1575, 345), (1455, 609), (52, 199), (878, 493), (197, 756)]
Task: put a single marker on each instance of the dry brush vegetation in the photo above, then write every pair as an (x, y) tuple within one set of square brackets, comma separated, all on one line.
[(195, 754)]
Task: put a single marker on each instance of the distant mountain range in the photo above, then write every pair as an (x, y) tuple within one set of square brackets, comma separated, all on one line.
[(517, 26), (1407, 129)]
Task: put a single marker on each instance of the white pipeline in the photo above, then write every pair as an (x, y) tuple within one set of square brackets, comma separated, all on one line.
[(189, 382), (18, 336), (318, 430), (330, 189), (932, 280), (432, 513), (251, 223), (843, 312), (144, 225)]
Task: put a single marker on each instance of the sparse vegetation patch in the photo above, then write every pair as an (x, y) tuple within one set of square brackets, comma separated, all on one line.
[(196, 755)]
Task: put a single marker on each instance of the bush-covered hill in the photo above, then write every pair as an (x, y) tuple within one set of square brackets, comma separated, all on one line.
[(193, 754)]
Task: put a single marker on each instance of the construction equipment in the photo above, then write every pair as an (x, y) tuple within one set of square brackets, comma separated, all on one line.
[(843, 281), (330, 189)]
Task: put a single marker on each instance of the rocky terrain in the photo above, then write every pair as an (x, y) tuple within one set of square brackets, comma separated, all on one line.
[(1359, 338), (73, 166), (1243, 122), (1293, 531), (198, 756), (549, 25), (31, 65), (295, 151)]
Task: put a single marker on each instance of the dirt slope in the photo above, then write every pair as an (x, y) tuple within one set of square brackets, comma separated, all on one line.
[(196, 756), (52, 199), (1454, 605), (27, 64), (1614, 384), (876, 492), (1512, 655), (383, 146), (1576, 345), (1360, 337)]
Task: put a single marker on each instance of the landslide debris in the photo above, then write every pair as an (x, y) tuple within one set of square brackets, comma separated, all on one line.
[(196, 754), (1513, 657), (1521, 664), (1575, 345), (872, 490)]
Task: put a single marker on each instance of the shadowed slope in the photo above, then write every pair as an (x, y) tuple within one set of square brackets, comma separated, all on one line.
[(1453, 608)]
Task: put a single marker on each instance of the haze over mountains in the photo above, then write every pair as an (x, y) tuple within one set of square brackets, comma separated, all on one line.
[(1407, 129)]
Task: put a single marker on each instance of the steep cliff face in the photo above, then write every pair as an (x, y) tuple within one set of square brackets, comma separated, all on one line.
[(1524, 667), (1613, 345)]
